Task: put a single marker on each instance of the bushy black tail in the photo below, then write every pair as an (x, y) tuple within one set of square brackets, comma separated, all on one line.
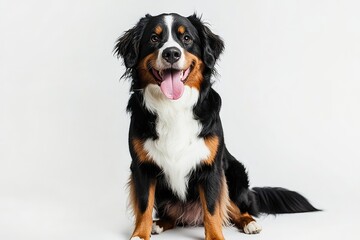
[(273, 200)]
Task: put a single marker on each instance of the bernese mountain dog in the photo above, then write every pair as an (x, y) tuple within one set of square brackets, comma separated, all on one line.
[(180, 164)]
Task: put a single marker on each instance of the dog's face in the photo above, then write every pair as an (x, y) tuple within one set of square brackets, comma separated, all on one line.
[(169, 51)]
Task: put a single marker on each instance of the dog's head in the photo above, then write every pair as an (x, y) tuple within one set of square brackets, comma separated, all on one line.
[(169, 51)]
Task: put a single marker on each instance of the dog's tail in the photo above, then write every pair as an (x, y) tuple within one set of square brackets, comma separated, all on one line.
[(273, 200), (270, 200)]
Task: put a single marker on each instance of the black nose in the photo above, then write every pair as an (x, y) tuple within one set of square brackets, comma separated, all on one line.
[(171, 54)]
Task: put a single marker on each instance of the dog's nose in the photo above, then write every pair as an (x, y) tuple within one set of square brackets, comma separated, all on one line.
[(171, 54)]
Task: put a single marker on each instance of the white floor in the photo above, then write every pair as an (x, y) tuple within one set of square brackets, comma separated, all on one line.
[(105, 217)]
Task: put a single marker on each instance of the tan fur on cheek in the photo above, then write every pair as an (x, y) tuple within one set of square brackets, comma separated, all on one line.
[(195, 77), (144, 68)]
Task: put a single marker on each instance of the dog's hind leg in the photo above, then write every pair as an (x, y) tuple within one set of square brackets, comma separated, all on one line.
[(243, 203), (243, 220), (238, 185)]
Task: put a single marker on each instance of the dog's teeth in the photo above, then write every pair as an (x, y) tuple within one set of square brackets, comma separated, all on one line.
[(161, 73)]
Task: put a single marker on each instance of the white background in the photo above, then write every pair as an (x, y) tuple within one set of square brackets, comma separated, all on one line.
[(289, 79)]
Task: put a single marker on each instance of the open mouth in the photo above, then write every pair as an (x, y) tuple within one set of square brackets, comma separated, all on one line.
[(161, 74), (171, 81)]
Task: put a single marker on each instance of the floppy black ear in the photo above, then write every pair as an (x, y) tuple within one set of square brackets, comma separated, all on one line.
[(127, 46), (212, 44)]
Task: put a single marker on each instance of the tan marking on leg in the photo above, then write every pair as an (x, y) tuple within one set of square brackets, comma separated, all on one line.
[(224, 202), (239, 219), (143, 221), (212, 222), (212, 143)]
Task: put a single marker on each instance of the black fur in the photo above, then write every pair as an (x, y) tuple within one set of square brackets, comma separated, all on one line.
[(212, 44), (280, 200), (270, 200), (132, 46), (128, 45)]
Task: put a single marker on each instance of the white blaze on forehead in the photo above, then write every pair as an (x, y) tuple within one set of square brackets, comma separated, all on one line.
[(168, 21), (170, 42)]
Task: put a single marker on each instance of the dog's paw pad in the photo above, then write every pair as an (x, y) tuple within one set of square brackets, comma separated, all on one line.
[(252, 228), (156, 229), (136, 238)]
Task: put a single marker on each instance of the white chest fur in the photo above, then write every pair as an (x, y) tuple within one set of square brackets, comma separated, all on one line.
[(178, 150)]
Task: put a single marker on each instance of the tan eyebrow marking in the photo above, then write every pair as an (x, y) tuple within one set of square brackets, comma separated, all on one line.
[(181, 29), (158, 30)]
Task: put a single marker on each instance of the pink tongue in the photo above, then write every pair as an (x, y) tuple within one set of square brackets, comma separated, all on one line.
[(171, 85)]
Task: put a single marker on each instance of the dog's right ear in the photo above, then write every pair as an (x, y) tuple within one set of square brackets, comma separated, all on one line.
[(127, 46), (212, 44)]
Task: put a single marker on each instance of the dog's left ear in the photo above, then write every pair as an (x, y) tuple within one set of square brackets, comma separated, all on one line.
[(127, 46), (213, 45)]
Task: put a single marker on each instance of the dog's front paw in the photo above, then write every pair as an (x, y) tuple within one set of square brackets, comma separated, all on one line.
[(139, 238), (252, 228)]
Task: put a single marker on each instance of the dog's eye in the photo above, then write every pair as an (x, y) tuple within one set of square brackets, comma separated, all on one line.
[(155, 38), (187, 39)]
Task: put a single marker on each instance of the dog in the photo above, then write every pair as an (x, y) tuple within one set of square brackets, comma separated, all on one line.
[(180, 164)]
